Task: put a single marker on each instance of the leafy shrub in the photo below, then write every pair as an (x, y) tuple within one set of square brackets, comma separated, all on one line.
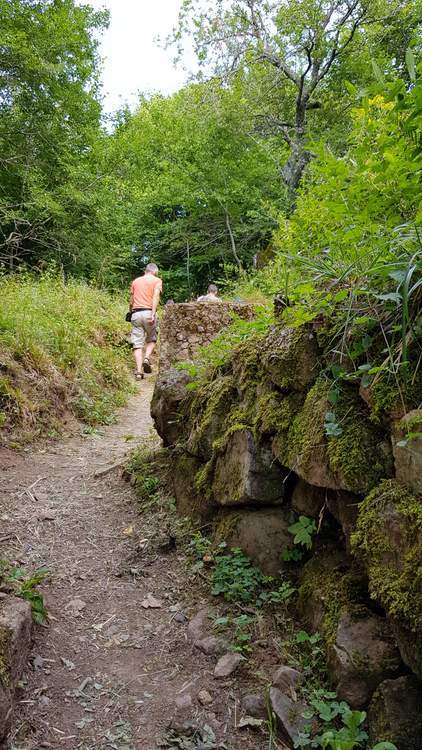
[(351, 252)]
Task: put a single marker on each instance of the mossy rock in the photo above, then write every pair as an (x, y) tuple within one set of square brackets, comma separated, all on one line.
[(245, 472), (261, 534), (354, 460), (208, 413), (246, 367), (388, 539), (395, 713), (169, 405), (407, 449), (290, 358), (329, 587), (274, 413), (191, 500)]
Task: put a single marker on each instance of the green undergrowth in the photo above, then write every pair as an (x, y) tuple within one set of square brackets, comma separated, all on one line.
[(250, 604), (62, 349)]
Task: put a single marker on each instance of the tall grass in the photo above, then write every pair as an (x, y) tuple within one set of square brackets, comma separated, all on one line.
[(62, 348)]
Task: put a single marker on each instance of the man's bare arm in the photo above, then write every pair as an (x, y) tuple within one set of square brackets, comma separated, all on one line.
[(156, 300)]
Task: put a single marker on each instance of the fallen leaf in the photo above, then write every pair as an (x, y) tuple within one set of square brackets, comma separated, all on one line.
[(77, 605), (250, 721), (128, 531), (150, 602), (68, 664)]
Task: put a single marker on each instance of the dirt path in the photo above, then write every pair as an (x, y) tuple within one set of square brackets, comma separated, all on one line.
[(106, 672)]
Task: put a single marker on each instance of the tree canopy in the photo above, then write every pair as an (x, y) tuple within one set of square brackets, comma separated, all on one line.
[(211, 181)]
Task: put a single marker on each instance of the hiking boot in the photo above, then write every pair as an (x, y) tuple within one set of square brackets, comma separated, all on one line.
[(147, 366)]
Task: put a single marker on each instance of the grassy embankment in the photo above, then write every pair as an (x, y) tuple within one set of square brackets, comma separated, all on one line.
[(62, 351)]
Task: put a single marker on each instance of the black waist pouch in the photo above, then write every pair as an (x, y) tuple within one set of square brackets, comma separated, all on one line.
[(128, 317)]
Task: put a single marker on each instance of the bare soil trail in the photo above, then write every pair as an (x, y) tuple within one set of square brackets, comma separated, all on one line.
[(107, 672)]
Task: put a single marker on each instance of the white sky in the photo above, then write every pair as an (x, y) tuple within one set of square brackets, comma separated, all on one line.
[(132, 59)]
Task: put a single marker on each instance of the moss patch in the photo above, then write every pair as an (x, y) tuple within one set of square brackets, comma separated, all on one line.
[(389, 538), (274, 413), (361, 454), (208, 409), (306, 438), (356, 459), (329, 591)]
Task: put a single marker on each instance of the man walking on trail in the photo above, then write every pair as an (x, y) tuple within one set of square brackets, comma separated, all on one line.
[(211, 295), (144, 298)]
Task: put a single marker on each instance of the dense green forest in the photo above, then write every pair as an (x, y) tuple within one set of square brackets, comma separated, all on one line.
[(299, 137)]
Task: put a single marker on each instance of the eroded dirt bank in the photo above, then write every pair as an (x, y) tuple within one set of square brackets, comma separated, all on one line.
[(107, 671)]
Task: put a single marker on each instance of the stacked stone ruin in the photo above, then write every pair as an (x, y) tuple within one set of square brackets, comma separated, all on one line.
[(248, 447)]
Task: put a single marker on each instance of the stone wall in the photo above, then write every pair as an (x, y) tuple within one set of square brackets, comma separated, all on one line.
[(187, 326), (251, 447)]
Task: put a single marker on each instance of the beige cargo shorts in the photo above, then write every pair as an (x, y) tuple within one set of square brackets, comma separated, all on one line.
[(143, 331)]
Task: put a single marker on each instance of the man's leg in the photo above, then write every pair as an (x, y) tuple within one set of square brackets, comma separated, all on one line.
[(149, 349), (137, 338), (139, 359), (151, 331)]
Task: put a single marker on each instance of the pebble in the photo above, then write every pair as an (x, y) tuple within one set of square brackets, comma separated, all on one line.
[(184, 701), (205, 697), (227, 665)]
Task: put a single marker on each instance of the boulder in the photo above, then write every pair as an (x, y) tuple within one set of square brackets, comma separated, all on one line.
[(355, 458), (407, 449), (362, 656), (388, 540), (410, 646), (166, 406), (289, 714), (191, 500), (15, 645), (308, 500), (246, 473), (261, 534), (395, 713), (290, 357)]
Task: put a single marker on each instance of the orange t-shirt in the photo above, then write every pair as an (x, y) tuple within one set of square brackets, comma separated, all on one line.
[(143, 289)]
